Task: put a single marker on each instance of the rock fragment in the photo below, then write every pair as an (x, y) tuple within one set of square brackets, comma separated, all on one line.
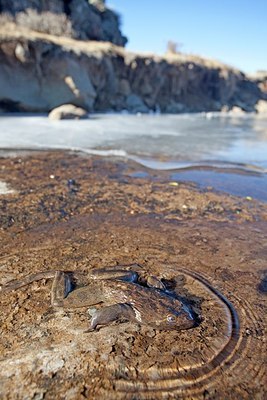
[(68, 111)]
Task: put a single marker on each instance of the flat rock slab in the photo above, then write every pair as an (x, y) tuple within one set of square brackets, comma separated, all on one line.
[(72, 212)]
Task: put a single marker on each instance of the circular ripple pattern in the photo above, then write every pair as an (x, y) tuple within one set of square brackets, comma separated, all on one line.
[(221, 346), (226, 349)]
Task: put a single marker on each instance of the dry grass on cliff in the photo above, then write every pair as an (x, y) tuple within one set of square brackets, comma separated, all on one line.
[(10, 30), (47, 22), (196, 59)]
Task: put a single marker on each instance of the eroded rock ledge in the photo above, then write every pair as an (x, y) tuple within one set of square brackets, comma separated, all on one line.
[(79, 19), (40, 71)]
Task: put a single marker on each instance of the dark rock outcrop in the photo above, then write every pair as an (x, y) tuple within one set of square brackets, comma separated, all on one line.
[(80, 19), (260, 77), (39, 72)]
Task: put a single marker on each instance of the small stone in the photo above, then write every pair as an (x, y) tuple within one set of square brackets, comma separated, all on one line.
[(237, 110), (68, 111), (261, 107)]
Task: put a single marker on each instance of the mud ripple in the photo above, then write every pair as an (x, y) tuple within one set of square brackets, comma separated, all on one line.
[(223, 344)]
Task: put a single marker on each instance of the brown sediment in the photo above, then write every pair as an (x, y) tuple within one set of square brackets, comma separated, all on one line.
[(72, 212)]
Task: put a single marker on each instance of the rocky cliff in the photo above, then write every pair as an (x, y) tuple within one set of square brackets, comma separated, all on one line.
[(80, 19), (39, 72)]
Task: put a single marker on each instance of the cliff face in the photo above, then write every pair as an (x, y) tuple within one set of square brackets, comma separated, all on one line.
[(80, 19), (39, 72)]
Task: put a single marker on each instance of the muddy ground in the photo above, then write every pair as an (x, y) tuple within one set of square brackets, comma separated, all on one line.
[(70, 212)]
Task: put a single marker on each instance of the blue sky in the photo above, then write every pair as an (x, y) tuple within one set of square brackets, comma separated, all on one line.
[(232, 31)]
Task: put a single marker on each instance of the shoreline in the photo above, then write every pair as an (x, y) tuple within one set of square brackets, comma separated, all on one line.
[(226, 178), (236, 113), (156, 141), (245, 180)]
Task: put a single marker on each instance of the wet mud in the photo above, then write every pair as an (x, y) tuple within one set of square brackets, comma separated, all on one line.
[(70, 212)]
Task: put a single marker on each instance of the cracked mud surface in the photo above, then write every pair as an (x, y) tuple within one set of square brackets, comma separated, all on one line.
[(72, 212)]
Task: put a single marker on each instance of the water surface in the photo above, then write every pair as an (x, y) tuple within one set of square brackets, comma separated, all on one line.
[(158, 142)]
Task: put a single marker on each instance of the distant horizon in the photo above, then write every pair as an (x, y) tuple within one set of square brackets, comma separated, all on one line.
[(232, 33)]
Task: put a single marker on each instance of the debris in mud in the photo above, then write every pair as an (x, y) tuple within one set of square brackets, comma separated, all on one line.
[(5, 189)]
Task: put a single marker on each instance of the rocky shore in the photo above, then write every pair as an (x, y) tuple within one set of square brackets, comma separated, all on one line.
[(39, 72), (70, 212)]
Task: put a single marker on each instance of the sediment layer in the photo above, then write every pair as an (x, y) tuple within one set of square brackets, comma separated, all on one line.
[(70, 212), (40, 71)]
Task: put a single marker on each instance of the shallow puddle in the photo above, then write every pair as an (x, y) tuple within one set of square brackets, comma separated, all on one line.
[(251, 185)]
